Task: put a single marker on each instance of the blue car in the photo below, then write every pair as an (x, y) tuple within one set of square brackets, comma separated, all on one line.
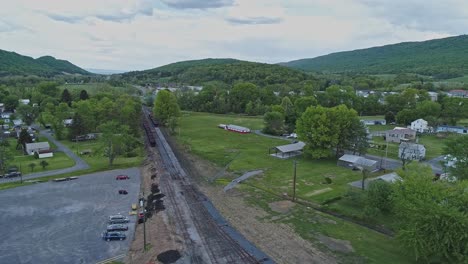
[(108, 236)]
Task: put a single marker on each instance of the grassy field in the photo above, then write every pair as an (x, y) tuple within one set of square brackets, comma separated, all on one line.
[(372, 117), (380, 127), (200, 135), (463, 79), (97, 161)]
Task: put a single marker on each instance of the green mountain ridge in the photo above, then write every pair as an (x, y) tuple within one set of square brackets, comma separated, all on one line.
[(12, 63), (447, 56), (227, 71)]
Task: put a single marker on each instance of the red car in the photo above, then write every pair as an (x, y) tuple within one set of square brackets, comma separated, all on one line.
[(122, 177), (123, 192)]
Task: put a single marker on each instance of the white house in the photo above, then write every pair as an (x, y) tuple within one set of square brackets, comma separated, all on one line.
[(411, 151), (67, 122), (24, 101), (419, 125), (39, 147)]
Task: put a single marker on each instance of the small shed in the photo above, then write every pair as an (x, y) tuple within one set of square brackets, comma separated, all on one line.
[(353, 161), (287, 151), (38, 147)]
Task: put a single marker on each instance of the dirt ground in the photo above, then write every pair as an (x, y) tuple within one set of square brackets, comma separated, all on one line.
[(279, 241)]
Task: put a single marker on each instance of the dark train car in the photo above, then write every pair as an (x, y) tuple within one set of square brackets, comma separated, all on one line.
[(153, 120)]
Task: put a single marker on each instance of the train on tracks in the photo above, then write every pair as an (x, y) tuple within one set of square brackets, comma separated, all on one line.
[(149, 125)]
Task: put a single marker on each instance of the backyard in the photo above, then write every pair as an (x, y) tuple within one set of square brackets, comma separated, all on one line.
[(199, 134)]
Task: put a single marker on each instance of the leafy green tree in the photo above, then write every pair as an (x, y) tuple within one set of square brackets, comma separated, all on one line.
[(166, 106), (379, 196), (23, 139), (49, 88), (28, 113), (84, 95), (406, 116), (274, 123), (66, 97), (454, 109), (32, 166), (302, 103), (289, 114), (249, 109), (5, 156), (316, 128), (77, 127), (389, 117), (173, 123), (44, 164), (11, 102), (241, 94), (432, 216), (117, 140), (458, 148), (337, 95)]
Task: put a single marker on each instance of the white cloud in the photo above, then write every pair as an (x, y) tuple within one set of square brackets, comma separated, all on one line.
[(141, 34)]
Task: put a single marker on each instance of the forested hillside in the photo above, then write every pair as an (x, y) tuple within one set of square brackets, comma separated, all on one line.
[(12, 63), (228, 71), (446, 57)]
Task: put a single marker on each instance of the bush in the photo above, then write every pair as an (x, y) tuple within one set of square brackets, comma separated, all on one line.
[(328, 180), (36, 155), (379, 196)]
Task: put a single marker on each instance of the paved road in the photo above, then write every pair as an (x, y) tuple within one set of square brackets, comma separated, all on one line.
[(435, 164), (258, 132), (80, 164), (62, 222)]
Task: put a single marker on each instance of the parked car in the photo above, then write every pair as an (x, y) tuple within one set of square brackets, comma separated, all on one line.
[(12, 174), (123, 192), (118, 219), (117, 227), (134, 206), (122, 177), (108, 236)]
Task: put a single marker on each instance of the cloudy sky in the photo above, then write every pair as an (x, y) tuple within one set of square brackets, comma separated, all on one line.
[(142, 34)]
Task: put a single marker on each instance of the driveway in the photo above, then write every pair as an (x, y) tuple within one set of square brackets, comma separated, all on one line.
[(80, 164)]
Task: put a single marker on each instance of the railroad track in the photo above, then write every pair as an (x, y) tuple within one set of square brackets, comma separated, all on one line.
[(205, 240)]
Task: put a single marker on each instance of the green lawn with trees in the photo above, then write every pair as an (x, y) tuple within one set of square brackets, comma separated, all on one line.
[(199, 134)]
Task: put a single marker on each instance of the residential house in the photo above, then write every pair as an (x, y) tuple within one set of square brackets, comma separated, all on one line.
[(17, 122), (2, 107), (433, 96), (399, 134), (420, 125), (453, 129), (39, 147), (458, 93), (353, 161), (6, 115), (411, 151), (68, 122), (24, 101), (372, 122)]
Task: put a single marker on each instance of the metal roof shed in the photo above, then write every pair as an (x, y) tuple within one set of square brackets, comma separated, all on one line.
[(286, 151)]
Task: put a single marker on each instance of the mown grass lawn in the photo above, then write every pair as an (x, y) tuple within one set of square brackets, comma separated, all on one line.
[(58, 161), (96, 159), (200, 135)]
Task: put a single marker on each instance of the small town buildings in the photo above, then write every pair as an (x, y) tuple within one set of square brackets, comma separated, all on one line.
[(453, 129), (399, 134), (372, 122), (458, 93), (39, 147), (420, 125), (411, 151), (6, 115), (353, 161), (17, 122), (287, 151)]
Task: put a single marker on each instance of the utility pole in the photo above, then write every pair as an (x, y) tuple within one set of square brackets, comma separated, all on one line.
[(294, 181)]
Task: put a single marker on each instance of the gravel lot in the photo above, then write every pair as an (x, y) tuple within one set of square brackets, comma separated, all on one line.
[(62, 222)]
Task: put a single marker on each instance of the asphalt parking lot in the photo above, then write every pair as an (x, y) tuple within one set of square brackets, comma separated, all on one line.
[(62, 222)]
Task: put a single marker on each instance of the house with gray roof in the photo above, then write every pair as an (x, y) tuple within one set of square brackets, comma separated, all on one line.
[(411, 151)]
